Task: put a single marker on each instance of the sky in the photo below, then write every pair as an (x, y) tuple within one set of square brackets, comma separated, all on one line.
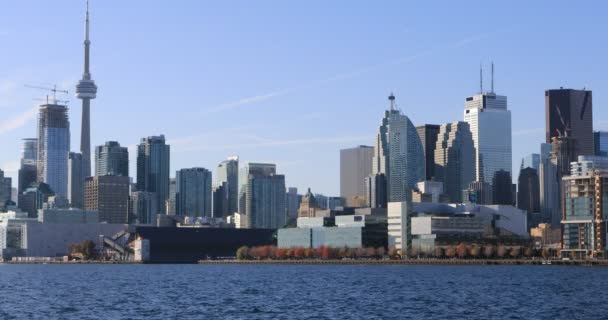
[(291, 82)]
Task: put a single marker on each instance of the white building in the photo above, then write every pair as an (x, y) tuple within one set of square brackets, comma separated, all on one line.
[(399, 225)]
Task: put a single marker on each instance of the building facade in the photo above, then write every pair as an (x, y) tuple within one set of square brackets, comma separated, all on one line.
[(153, 156), (193, 193), (455, 159), (428, 137), (528, 195), (228, 172), (112, 160), (262, 197), (53, 147), (144, 207), (600, 143), (355, 166), (109, 196), (75, 180), (569, 113)]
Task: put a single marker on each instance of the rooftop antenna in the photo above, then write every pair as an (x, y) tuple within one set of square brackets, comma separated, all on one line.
[(391, 98), (492, 83), (480, 78)]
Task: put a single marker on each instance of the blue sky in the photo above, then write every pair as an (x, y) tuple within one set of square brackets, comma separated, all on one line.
[(292, 82)]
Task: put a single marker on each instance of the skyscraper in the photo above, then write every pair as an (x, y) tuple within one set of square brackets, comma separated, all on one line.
[(86, 90), (153, 157), (193, 193), (531, 161), (293, 202), (455, 159), (502, 188), (528, 195), (228, 172), (28, 172), (398, 154), (262, 196), (600, 142), (428, 137), (547, 181), (355, 166), (53, 147), (75, 180), (220, 201), (144, 207), (490, 122), (108, 195), (5, 190), (569, 113), (112, 160)]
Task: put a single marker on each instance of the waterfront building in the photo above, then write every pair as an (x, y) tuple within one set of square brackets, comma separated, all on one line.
[(455, 158), (143, 208), (600, 143), (428, 134), (429, 191), (109, 196), (75, 180), (228, 172), (262, 196), (569, 113), (153, 156), (399, 224), (53, 147), (193, 193), (112, 160), (528, 195), (490, 125), (355, 166), (398, 155)]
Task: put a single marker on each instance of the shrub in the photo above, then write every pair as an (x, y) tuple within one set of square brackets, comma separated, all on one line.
[(242, 253)]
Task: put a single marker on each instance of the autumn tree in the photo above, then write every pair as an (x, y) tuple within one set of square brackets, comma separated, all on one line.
[(488, 251), (438, 252), (475, 251), (242, 253), (298, 253), (462, 250), (393, 253), (515, 252), (501, 251), (450, 252), (528, 252)]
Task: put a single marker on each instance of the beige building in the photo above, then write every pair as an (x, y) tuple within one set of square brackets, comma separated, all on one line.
[(308, 206), (108, 195)]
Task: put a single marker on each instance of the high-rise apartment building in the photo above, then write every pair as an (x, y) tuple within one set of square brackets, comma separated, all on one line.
[(144, 207), (455, 159), (109, 196), (153, 156), (569, 113), (193, 193), (75, 180), (228, 172), (355, 166), (53, 147), (428, 137), (398, 154), (262, 196), (28, 172), (112, 160)]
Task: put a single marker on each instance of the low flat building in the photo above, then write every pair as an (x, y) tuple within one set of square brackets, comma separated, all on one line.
[(67, 216)]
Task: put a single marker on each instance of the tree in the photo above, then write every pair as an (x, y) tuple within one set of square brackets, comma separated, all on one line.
[(393, 253), (326, 252), (462, 250), (438, 252), (475, 251), (380, 252), (546, 253), (501, 251), (528, 252), (488, 251), (241, 253), (280, 253), (412, 252), (450, 252), (309, 253), (298, 253), (515, 252), (86, 249)]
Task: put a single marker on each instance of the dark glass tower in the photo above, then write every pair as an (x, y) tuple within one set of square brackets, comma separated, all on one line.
[(153, 168), (428, 136), (569, 112)]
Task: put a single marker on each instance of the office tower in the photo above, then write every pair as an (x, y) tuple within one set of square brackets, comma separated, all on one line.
[(428, 137), (86, 90), (5, 190), (153, 157), (478, 192), (293, 202), (584, 217), (502, 188), (228, 172), (547, 181), (569, 113), (144, 207), (53, 147), (398, 154), (109, 196), (33, 198), (490, 123), (528, 195), (262, 196), (170, 203), (600, 143), (375, 189), (455, 159), (531, 161), (28, 172), (193, 193), (220, 201), (75, 180), (355, 166), (112, 160)]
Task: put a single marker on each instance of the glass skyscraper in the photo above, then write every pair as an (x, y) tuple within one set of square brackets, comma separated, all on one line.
[(112, 160), (600, 142), (193, 192), (53, 147), (455, 159), (153, 168), (262, 198), (228, 172)]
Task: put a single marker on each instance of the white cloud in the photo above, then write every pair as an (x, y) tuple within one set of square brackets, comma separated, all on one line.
[(17, 121)]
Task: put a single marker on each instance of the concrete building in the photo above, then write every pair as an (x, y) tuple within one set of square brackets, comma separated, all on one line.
[(428, 134), (109, 196), (429, 191), (455, 158), (399, 224), (490, 125), (153, 160), (193, 193), (569, 112), (262, 196), (143, 208), (600, 143), (67, 216), (528, 195), (112, 160), (53, 147), (398, 154), (355, 166), (75, 180), (228, 172)]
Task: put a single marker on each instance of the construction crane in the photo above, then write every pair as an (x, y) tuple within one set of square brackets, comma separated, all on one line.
[(54, 90)]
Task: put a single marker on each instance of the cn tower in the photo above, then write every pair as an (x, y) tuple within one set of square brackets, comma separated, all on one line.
[(86, 90)]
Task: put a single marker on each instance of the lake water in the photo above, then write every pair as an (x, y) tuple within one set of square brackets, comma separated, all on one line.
[(301, 292)]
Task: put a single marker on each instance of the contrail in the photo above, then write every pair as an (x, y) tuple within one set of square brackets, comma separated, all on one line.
[(346, 75)]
